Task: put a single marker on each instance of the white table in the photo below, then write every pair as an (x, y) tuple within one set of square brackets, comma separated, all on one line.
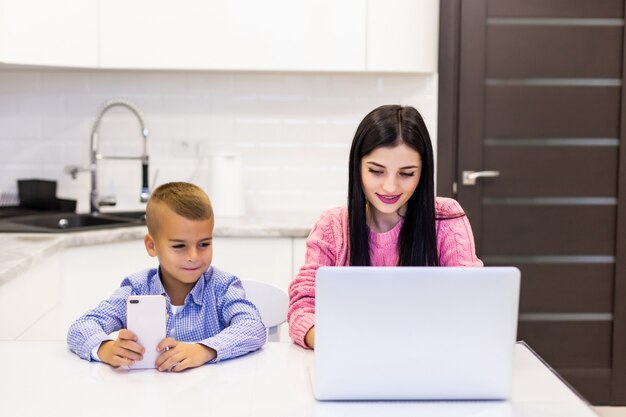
[(43, 378)]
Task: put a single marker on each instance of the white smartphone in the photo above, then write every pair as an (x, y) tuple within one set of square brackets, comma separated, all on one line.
[(146, 316)]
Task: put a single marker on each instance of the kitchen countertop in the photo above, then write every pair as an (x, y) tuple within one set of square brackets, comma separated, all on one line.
[(21, 250)]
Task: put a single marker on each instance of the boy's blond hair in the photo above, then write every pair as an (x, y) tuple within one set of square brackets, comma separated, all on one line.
[(185, 199)]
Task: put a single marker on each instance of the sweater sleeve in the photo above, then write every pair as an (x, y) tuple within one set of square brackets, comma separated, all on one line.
[(94, 327), (455, 240), (324, 247)]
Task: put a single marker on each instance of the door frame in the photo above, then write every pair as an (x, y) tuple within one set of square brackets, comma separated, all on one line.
[(448, 106)]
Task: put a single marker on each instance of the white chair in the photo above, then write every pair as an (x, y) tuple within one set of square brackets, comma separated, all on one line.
[(272, 303)]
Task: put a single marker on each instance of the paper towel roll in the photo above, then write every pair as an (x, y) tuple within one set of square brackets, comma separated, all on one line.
[(226, 184)]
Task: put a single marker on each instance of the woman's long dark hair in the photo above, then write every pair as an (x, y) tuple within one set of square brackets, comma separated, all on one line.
[(389, 126)]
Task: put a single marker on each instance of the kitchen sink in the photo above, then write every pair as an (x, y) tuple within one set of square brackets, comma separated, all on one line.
[(68, 222), (132, 215)]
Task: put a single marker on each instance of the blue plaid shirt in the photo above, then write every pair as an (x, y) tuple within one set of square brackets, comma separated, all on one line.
[(215, 314)]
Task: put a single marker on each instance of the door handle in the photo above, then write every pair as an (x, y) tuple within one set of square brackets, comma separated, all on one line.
[(469, 177)]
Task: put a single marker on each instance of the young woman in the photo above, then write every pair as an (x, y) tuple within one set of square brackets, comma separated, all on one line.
[(393, 217)]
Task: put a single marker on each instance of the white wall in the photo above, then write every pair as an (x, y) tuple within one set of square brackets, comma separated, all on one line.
[(292, 130)]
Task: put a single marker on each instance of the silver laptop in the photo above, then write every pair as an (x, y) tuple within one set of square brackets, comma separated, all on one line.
[(406, 333)]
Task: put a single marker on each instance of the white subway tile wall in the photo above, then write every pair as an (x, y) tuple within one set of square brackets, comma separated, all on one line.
[(293, 131)]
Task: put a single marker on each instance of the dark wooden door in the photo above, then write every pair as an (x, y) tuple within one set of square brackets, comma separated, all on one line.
[(531, 95)]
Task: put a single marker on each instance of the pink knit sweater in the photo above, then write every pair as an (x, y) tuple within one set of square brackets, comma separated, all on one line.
[(327, 245)]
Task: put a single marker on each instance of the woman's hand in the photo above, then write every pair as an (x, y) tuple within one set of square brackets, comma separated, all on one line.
[(309, 338), (123, 351), (178, 356)]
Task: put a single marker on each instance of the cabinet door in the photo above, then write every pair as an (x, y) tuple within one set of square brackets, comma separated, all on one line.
[(402, 35), (299, 253), (255, 258), (286, 35), (156, 34), (48, 32)]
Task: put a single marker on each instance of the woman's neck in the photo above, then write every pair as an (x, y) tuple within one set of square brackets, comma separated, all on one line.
[(382, 222)]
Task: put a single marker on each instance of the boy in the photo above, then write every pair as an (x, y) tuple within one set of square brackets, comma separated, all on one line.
[(209, 318)]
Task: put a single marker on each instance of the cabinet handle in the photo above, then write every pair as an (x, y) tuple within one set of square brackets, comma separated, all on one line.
[(469, 177)]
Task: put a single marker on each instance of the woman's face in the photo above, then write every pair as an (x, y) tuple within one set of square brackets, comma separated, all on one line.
[(390, 176)]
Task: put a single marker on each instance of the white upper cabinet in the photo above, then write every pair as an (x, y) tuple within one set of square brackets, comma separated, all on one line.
[(272, 35), (402, 35), (47, 32), (267, 259), (244, 35)]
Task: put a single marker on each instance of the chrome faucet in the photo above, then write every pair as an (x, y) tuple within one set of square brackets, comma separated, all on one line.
[(95, 202)]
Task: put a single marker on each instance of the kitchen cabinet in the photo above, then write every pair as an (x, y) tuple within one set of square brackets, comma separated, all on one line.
[(272, 35), (64, 284), (281, 35), (238, 35), (267, 259), (50, 33), (33, 294), (299, 252), (402, 35)]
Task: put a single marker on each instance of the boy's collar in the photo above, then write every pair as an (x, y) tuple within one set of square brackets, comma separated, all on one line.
[(156, 286), (198, 289), (196, 292)]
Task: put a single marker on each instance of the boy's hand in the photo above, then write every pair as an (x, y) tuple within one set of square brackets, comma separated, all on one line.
[(123, 351), (178, 356)]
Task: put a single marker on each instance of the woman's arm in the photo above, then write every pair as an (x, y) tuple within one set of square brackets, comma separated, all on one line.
[(455, 240), (325, 246)]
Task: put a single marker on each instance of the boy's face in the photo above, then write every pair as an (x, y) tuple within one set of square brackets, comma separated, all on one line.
[(184, 247)]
